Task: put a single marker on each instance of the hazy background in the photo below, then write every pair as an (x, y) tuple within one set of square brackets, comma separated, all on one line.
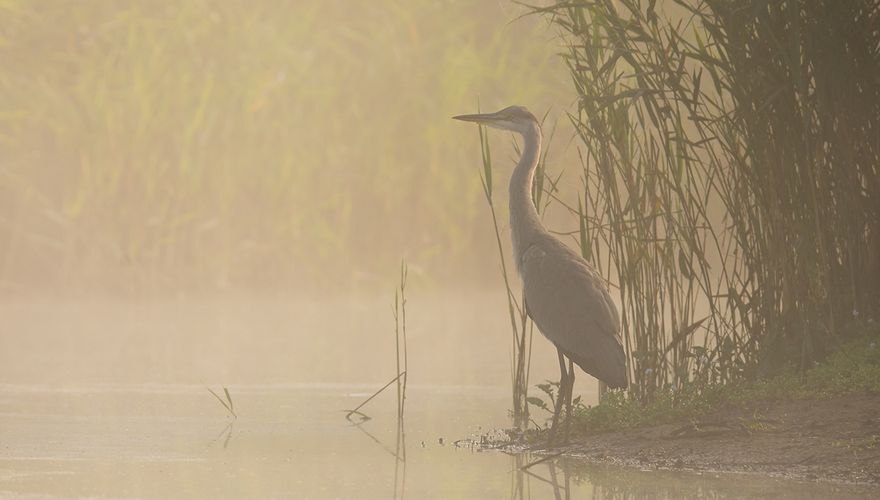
[(291, 146), (222, 192)]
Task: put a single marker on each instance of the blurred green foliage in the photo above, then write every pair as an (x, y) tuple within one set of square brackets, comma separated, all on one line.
[(157, 145)]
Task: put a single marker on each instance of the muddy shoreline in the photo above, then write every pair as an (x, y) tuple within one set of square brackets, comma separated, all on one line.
[(829, 440)]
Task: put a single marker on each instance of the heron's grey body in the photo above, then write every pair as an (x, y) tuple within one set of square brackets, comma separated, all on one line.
[(564, 295), (571, 307)]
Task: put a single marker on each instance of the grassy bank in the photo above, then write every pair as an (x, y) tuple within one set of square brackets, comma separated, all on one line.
[(854, 368)]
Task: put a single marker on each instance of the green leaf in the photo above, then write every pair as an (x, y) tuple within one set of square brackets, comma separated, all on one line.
[(586, 248), (537, 402), (229, 399), (684, 264)]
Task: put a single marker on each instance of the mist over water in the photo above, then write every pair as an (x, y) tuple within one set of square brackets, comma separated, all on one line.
[(454, 339), (206, 196), (220, 196), (108, 398), (294, 148)]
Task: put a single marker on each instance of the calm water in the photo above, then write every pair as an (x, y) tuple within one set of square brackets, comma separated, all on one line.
[(108, 400), (293, 442)]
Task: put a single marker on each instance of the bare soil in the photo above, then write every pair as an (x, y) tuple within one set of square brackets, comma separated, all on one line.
[(832, 439)]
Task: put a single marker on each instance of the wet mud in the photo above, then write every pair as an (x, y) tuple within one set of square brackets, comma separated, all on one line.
[(828, 440)]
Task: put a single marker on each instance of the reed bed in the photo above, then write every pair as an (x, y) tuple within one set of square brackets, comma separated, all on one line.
[(402, 364), (401, 359), (731, 165)]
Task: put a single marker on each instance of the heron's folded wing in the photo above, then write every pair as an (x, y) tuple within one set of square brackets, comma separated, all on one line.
[(572, 307)]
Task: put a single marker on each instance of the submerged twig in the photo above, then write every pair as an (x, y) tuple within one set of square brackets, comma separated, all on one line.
[(351, 412), (226, 404)]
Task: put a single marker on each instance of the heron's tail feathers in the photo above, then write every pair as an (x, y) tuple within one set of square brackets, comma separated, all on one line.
[(607, 362)]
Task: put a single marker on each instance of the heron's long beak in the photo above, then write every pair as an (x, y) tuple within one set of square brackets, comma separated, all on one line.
[(479, 118)]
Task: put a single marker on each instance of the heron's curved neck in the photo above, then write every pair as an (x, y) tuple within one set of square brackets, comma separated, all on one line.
[(525, 225)]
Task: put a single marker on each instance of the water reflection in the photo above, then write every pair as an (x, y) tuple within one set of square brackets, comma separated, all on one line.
[(157, 433), (161, 442), (556, 477), (400, 471), (567, 477), (225, 435), (398, 454), (522, 476)]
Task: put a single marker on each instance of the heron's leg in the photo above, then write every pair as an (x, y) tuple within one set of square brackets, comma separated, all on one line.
[(568, 394), (557, 406)]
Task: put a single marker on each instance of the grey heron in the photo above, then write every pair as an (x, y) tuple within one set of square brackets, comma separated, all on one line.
[(564, 295)]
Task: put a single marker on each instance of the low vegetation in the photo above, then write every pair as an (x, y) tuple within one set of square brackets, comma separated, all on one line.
[(854, 369)]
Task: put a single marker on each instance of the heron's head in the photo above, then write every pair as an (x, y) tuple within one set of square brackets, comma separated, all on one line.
[(513, 118)]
